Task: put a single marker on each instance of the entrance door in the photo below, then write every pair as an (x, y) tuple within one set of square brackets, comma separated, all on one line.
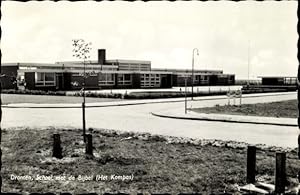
[(59, 82)]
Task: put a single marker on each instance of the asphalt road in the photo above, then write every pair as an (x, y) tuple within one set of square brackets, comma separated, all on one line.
[(137, 118)]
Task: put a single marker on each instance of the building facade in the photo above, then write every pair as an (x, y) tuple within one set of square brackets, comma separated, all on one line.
[(107, 74), (277, 80)]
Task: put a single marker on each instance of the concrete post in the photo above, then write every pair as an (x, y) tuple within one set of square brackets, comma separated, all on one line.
[(57, 150), (280, 175), (251, 164)]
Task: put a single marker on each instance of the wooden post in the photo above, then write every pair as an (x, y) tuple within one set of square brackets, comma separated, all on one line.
[(298, 87), (89, 145), (0, 169), (83, 120), (228, 96), (57, 150), (241, 97), (0, 132), (251, 164), (185, 97), (234, 96), (280, 175), (299, 146)]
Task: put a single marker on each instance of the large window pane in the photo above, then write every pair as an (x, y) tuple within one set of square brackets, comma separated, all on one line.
[(127, 77), (102, 77), (40, 76), (45, 79), (49, 77)]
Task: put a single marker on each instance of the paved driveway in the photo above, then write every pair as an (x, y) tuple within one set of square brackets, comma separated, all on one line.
[(138, 118)]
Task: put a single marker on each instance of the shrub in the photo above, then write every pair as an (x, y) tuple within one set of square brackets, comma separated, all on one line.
[(33, 92)]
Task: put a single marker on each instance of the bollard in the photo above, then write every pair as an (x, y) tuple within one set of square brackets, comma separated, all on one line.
[(0, 170), (89, 145), (240, 100), (280, 175), (299, 146), (251, 164), (83, 120), (298, 97), (57, 150)]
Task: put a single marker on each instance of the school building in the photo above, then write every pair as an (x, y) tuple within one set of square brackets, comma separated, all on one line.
[(105, 74)]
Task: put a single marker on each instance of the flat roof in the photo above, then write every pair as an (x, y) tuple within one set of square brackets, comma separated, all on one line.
[(277, 77), (128, 61), (96, 71), (59, 65), (186, 70)]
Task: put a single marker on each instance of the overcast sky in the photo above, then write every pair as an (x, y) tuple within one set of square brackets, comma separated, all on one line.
[(163, 32)]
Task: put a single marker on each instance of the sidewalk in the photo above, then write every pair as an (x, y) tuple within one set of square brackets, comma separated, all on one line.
[(138, 102), (191, 115)]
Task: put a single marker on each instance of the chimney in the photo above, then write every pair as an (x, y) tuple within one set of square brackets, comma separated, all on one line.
[(101, 56)]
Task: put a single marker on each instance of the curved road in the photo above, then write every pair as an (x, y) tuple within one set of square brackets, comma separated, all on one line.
[(138, 118)]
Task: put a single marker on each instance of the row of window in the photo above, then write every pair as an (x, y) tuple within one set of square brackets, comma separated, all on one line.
[(45, 79), (150, 80), (109, 79), (48, 79), (147, 80)]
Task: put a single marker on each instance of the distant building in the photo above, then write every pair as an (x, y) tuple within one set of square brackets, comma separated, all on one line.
[(108, 74), (277, 80)]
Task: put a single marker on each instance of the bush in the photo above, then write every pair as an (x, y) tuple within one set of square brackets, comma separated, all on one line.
[(33, 92), (156, 95)]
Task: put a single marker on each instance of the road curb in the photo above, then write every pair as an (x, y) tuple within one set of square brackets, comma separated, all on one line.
[(222, 120), (139, 103)]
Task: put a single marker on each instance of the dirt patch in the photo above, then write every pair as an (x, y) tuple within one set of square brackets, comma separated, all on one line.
[(285, 109), (133, 163)]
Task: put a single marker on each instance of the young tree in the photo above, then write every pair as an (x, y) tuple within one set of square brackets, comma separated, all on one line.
[(81, 50)]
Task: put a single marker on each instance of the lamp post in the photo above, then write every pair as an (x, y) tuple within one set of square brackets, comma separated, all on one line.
[(185, 99), (195, 49), (248, 81)]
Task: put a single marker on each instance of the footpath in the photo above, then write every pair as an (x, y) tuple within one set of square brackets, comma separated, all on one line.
[(141, 101), (191, 115), (179, 113)]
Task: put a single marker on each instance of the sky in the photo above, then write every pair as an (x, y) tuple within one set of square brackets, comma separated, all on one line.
[(228, 35)]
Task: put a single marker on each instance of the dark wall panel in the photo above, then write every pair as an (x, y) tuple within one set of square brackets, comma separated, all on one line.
[(8, 81)]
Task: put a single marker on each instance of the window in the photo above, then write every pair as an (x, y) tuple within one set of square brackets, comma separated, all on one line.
[(150, 80), (124, 79), (106, 79), (77, 74), (45, 79)]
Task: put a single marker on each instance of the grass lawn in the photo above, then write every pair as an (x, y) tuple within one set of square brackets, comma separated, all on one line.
[(285, 109), (48, 99), (158, 164)]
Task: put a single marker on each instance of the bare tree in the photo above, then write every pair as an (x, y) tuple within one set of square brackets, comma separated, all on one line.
[(81, 50)]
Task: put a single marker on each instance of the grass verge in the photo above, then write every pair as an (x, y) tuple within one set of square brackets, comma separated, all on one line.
[(158, 164), (284, 109)]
